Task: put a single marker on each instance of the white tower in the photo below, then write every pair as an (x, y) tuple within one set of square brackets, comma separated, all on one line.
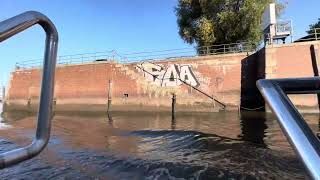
[(274, 29)]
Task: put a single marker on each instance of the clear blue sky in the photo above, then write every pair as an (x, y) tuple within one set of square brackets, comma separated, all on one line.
[(123, 25)]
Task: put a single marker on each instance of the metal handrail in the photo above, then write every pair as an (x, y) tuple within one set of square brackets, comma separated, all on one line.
[(297, 131), (186, 83), (313, 35), (189, 52), (9, 28)]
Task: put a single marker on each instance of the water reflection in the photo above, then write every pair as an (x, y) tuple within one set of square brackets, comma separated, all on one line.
[(110, 120), (138, 145), (173, 123), (253, 127)]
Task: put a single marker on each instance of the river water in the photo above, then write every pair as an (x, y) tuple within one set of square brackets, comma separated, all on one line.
[(141, 145)]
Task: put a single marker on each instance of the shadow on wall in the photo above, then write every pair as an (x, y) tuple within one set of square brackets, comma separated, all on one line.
[(252, 69)]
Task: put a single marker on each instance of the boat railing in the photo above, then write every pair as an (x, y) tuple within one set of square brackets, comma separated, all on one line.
[(297, 131), (9, 28)]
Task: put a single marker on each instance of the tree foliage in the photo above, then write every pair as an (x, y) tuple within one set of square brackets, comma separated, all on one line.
[(210, 22), (312, 27)]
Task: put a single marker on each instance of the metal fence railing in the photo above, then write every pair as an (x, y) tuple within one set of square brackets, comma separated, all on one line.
[(314, 35), (283, 27), (226, 48), (114, 55)]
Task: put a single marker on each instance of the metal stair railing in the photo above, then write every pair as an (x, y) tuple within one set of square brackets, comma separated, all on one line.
[(297, 131), (195, 88), (9, 28), (211, 97), (134, 57)]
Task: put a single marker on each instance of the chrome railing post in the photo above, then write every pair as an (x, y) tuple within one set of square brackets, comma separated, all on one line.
[(9, 28), (297, 131)]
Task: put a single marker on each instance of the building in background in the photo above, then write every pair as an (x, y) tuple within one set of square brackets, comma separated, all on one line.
[(273, 28)]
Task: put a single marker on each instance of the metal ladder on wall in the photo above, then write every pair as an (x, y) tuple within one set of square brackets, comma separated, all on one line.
[(297, 131), (9, 28)]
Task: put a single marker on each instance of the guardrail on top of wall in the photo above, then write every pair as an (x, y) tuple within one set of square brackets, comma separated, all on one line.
[(113, 55), (314, 35), (9, 28)]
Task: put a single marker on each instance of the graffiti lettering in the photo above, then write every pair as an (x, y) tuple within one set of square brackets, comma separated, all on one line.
[(168, 76)]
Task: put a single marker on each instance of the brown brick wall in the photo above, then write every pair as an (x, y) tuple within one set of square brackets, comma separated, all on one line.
[(221, 76), (292, 60), (88, 83)]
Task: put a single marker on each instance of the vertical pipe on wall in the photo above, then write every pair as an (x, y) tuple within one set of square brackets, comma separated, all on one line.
[(314, 60)]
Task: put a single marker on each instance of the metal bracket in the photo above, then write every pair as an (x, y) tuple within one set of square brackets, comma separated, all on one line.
[(9, 28), (297, 131)]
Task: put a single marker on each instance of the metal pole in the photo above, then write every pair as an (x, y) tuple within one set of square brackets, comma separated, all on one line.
[(29, 104), (110, 118), (297, 131), (9, 28), (109, 96), (173, 107), (291, 31)]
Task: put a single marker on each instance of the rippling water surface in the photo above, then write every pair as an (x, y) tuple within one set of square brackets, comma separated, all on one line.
[(152, 146)]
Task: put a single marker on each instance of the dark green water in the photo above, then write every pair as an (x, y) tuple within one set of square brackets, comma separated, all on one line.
[(152, 146)]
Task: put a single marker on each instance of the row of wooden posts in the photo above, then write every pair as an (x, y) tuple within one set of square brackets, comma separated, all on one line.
[(173, 106)]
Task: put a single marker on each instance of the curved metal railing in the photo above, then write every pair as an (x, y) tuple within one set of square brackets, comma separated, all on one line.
[(9, 28), (297, 131)]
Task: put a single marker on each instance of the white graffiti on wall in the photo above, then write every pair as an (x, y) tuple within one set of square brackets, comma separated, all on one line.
[(168, 76)]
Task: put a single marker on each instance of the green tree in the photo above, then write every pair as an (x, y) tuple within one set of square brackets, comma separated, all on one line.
[(211, 22), (312, 27)]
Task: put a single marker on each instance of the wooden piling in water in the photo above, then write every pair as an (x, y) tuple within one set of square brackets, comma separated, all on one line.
[(109, 96), (173, 107)]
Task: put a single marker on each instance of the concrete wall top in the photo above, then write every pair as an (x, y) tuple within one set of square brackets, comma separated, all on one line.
[(296, 44), (220, 60)]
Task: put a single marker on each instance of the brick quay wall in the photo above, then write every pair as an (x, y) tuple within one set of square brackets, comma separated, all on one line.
[(148, 86)]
